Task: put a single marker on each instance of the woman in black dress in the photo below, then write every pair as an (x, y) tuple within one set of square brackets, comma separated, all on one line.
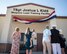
[(62, 42), (28, 45)]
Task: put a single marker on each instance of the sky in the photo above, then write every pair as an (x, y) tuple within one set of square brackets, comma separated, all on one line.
[(59, 5)]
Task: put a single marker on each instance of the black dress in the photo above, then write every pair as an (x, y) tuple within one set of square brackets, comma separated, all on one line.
[(28, 37), (62, 41)]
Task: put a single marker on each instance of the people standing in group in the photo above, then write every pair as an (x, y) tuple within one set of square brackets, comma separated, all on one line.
[(46, 41), (15, 41), (28, 45), (62, 42), (55, 40)]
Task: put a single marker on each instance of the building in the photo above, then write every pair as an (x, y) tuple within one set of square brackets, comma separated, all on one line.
[(30, 15)]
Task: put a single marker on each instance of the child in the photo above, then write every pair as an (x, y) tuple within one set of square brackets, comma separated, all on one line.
[(33, 38)]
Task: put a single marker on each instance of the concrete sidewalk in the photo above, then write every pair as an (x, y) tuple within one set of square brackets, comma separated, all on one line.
[(37, 53), (3, 53), (32, 53)]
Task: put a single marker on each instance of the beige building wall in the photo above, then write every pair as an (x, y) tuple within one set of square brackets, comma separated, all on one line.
[(62, 24), (6, 27), (39, 27), (2, 19), (52, 22)]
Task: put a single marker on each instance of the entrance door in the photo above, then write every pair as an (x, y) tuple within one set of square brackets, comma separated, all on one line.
[(39, 42)]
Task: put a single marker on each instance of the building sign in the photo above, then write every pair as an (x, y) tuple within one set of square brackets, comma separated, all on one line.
[(29, 11)]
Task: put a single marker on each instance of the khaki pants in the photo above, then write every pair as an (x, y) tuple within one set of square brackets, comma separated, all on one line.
[(46, 46)]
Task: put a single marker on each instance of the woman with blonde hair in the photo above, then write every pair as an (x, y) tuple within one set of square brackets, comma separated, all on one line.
[(15, 41)]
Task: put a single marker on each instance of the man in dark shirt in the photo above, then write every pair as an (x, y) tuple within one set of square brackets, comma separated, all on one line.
[(55, 41)]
